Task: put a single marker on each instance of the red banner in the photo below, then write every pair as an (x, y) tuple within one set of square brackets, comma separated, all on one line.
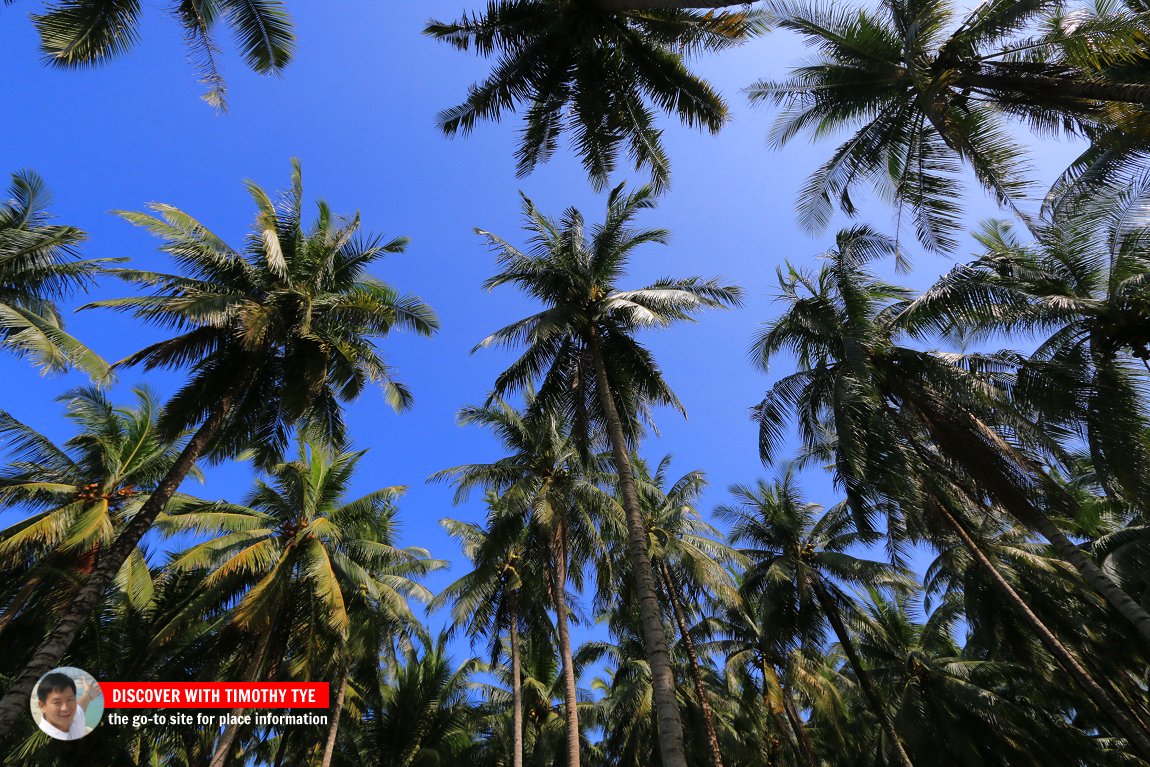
[(215, 694)]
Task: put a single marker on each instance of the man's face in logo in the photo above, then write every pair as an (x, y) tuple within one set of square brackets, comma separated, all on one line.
[(59, 708)]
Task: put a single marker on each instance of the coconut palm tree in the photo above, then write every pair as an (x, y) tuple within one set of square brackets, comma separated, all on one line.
[(1078, 287), (912, 431), (279, 334), (595, 374), (544, 735), (79, 33), (422, 712), (756, 636), (978, 708), (82, 494), (543, 482), (38, 264), (845, 326), (690, 562), (1052, 590), (926, 89), (500, 594), (596, 72), (304, 567), (797, 554)]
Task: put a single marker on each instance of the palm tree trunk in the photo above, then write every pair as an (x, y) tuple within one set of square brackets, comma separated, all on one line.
[(570, 704), (224, 745), (1093, 575), (337, 708), (1064, 87), (654, 638), (18, 601), (832, 612), (516, 683), (796, 721), (696, 670), (786, 732), (1135, 734), (988, 458), (52, 649), (281, 749)]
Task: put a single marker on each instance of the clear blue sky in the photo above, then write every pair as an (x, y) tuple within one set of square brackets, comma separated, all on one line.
[(357, 106)]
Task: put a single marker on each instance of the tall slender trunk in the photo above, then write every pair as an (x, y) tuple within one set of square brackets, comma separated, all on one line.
[(654, 638), (696, 669), (52, 649), (559, 589), (22, 596), (336, 710), (986, 457), (869, 692), (776, 710), (516, 683), (1065, 87), (1135, 734), (808, 753), (281, 748), (224, 744)]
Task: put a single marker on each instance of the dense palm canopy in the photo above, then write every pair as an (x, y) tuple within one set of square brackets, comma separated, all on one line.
[(38, 265), (799, 558), (893, 417), (1078, 287), (80, 496), (927, 89), (276, 336), (598, 74), (548, 501), (287, 326), (312, 576), (595, 374), (976, 599), (298, 545), (77, 33)]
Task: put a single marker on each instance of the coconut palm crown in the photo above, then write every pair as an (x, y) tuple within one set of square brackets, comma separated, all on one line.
[(926, 90), (79, 33), (38, 265), (276, 338), (598, 74), (291, 321)]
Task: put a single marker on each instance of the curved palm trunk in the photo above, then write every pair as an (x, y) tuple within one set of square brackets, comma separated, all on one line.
[(1065, 88), (696, 670), (570, 704), (52, 649), (969, 441), (224, 745), (1135, 734), (789, 727), (281, 749), (654, 638), (516, 684), (336, 710), (805, 748), (22, 596), (869, 692)]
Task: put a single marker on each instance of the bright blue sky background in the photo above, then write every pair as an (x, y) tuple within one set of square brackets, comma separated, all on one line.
[(358, 107)]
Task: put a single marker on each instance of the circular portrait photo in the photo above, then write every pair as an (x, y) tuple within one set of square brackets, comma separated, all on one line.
[(67, 703)]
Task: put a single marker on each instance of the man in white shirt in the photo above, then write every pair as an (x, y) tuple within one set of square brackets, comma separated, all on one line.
[(61, 712)]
